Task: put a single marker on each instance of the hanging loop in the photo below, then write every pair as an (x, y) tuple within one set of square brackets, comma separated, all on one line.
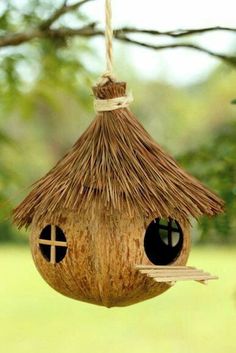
[(103, 105)]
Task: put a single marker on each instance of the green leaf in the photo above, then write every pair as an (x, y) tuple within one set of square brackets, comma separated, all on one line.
[(233, 101)]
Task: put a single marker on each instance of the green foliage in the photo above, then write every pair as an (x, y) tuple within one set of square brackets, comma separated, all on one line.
[(7, 179), (53, 60), (214, 164)]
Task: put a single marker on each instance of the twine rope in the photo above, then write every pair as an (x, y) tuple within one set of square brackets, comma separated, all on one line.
[(105, 105), (102, 105), (108, 74), (109, 37)]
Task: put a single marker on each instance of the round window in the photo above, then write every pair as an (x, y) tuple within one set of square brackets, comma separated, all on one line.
[(53, 244), (163, 241)]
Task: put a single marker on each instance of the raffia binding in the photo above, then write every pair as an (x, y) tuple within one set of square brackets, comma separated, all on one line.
[(104, 105)]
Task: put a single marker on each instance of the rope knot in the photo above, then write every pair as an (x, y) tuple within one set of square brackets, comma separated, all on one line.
[(105, 78), (123, 100)]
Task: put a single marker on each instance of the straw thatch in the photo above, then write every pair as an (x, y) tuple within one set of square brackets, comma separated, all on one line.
[(115, 164)]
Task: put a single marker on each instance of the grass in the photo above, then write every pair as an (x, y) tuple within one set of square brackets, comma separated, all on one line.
[(189, 318)]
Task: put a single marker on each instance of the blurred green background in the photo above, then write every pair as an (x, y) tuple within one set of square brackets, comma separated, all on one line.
[(45, 104)]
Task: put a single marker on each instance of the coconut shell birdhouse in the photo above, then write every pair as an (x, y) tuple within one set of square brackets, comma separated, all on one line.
[(110, 223)]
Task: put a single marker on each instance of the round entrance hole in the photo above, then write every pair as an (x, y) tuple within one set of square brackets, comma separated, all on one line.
[(163, 241)]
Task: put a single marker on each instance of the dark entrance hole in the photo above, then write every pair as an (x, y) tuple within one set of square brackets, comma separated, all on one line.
[(163, 241)]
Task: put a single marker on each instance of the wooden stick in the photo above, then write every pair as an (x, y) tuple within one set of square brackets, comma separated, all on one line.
[(170, 270), (51, 242), (154, 267), (53, 247), (174, 273), (184, 278)]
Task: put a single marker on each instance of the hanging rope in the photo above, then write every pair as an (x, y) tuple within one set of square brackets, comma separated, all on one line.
[(108, 75), (102, 105), (109, 37)]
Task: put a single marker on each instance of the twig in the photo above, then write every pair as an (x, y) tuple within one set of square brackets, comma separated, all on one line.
[(227, 58), (45, 30), (24, 37), (91, 31), (173, 33), (19, 38), (60, 12)]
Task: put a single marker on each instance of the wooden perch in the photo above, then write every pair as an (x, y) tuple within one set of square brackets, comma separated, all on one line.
[(171, 274)]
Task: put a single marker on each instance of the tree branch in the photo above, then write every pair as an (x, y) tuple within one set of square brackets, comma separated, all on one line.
[(45, 30), (227, 58), (18, 38), (173, 33), (91, 31), (62, 11), (24, 37)]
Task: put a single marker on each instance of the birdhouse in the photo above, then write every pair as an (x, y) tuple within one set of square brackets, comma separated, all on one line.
[(110, 223)]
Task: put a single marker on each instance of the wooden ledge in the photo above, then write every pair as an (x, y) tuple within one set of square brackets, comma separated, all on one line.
[(171, 274)]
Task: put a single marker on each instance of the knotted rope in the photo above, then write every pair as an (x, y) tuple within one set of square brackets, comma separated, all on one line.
[(108, 76)]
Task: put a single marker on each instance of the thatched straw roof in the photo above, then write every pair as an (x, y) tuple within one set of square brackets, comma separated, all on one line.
[(116, 164)]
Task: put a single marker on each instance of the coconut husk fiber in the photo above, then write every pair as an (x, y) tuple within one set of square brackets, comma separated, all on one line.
[(115, 164)]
